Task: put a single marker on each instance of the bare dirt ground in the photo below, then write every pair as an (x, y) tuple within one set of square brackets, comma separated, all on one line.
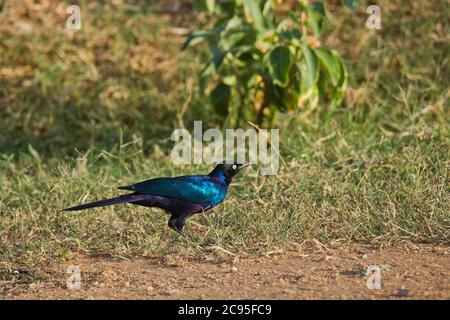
[(407, 272)]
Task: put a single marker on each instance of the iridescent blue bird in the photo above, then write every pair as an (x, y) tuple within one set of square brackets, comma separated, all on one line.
[(181, 197)]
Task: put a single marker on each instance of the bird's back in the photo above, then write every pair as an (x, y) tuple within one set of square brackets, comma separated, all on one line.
[(199, 189)]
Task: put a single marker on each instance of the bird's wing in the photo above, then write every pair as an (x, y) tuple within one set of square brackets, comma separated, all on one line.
[(195, 189)]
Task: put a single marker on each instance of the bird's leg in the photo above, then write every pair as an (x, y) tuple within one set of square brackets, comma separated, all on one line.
[(177, 224)]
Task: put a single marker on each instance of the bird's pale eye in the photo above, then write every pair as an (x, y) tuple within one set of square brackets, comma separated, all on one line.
[(234, 167)]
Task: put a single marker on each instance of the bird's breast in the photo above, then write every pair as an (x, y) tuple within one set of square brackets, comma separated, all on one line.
[(214, 192)]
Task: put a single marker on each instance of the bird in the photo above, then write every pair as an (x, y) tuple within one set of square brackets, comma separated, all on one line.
[(181, 196)]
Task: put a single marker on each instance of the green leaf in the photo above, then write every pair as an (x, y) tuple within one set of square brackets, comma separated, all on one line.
[(205, 75), (217, 57), (226, 8), (309, 68), (253, 10), (237, 32), (331, 65), (344, 75), (316, 17), (220, 98), (278, 98), (291, 34), (322, 85), (268, 13), (210, 5), (211, 68), (338, 92), (233, 22), (279, 62), (238, 37), (229, 80), (198, 36)]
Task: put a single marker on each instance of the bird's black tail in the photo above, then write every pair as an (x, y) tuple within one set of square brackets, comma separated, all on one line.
[(108, 202)]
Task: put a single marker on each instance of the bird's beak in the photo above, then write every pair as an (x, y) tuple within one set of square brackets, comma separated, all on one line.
[(245, 165)]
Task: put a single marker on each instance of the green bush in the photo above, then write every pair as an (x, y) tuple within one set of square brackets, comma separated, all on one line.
[(267, 58)]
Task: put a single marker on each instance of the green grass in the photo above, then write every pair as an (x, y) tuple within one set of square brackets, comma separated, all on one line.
[(84, 113)]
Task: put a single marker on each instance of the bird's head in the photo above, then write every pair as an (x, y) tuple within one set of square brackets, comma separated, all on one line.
[(229, 169)]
